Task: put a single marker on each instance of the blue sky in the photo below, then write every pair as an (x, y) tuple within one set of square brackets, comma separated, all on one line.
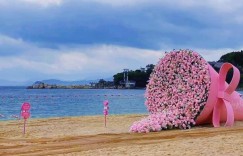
[(90, 39)]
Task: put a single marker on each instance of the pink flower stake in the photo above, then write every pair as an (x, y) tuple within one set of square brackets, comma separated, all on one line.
[(25, 112), (106, 109), (184, 90)]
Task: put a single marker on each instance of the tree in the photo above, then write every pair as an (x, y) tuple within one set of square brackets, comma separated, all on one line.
[(117, 78), (101, 83), (149, 68), (235, 58), (138, 75)]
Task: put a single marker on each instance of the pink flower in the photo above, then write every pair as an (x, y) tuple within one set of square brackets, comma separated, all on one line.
[(177, 89)]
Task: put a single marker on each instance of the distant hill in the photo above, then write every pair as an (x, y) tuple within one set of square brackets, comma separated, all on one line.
[(51, 82), (67, 83), (235, 58)]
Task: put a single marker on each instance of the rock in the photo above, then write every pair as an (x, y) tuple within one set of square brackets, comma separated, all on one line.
[(38, 85), (42, 85)]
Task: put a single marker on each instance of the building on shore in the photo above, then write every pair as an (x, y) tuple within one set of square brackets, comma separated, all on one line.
[(126, 83), (102, 84)]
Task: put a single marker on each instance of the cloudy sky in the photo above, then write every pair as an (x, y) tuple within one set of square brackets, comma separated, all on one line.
[(90, 39)]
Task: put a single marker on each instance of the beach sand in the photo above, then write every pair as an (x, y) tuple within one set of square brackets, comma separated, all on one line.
[(88, 136)]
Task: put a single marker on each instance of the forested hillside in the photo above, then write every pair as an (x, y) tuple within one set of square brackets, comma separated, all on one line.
[(236, 58)]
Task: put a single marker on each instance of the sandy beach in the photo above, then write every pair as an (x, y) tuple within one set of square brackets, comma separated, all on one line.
[(88, 136)]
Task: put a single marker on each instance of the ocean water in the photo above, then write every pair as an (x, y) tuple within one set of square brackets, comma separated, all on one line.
[(69, 102)]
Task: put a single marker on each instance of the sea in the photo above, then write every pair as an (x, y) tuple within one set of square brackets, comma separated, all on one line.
[(46, 103)]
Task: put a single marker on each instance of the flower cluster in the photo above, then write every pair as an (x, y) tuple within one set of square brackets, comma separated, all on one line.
[(176, 93)]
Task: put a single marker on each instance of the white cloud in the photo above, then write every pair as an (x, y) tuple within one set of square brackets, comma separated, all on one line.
[(215, 54), (231, 9), (222, 8), (220, 5), (217, 5), (11, 41), (95, 60), (84, 62), (44, 3)]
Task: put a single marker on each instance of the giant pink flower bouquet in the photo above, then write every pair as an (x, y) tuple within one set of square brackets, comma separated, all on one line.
[(177, 92)]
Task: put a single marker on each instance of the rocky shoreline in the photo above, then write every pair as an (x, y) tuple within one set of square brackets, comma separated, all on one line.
[(41, 85)]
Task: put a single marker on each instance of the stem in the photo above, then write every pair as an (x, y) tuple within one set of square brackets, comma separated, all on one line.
[(105, 120), (24, 125)]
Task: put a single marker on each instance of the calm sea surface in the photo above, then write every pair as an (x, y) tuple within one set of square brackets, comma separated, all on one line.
[(69, 102)]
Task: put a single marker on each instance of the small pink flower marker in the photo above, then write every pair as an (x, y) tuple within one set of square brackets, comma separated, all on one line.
[(106, 108), (25, 112)]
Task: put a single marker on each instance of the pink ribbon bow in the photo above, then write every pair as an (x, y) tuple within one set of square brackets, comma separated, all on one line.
[(224, 95)]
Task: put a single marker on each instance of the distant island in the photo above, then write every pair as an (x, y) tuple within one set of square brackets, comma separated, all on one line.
[(128, 79), (101, 84), (42, 85), (136, 79)]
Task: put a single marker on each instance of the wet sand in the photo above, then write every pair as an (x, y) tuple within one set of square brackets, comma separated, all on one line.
[(88, 136)]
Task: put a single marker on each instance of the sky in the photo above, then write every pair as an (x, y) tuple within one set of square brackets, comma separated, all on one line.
[(92, 39)]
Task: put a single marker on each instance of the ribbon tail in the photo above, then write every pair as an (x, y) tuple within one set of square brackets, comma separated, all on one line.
[(216, 115), (229, 113)]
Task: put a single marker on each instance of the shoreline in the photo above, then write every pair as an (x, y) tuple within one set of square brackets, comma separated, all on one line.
[(25, 87), (82, 123), (86, 135), (64, 117), (66, 87)]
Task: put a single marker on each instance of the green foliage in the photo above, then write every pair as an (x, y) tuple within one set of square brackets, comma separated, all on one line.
[(149, 69), (104, 84), (241, 81), (117, 78), (236, 58), (141, 77)]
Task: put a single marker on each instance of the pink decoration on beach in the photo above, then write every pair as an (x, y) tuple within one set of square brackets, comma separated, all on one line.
[(106, 109), (25, 113), (224, 103), (185, 90)]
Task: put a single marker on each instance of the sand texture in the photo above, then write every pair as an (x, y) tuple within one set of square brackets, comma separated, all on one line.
[(88, 136)]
